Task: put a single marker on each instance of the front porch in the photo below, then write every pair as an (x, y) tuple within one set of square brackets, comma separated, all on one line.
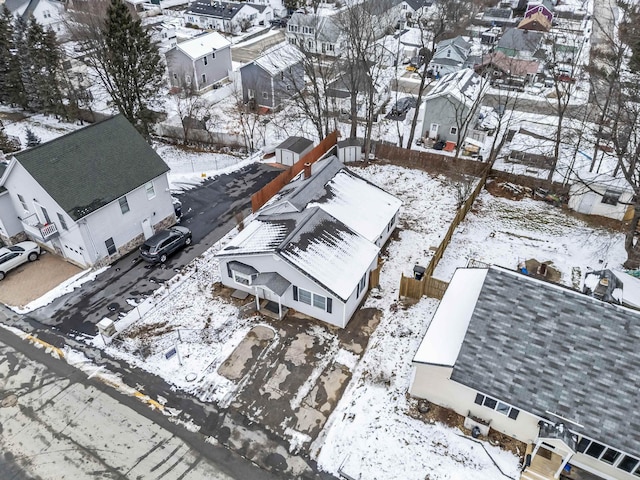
[(545, 464)]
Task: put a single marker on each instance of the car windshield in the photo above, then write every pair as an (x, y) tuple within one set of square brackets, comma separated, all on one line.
[(15, 248)]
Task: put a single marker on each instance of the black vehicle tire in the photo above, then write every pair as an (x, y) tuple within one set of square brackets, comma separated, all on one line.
[(163, 258), (33, 256), (1, 275), (187, 242)]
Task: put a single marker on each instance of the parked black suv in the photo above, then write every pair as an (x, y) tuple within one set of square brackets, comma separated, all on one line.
[(158, 247)]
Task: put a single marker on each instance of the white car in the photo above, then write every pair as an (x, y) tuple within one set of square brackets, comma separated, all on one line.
[(15, 255)]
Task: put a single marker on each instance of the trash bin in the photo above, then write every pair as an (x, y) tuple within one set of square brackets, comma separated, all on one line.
[(106, 327), (418, 272)]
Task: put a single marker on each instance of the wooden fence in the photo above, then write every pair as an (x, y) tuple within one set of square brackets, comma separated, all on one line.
[(270, 189), (429, 286), (374, 275), (431, 162)]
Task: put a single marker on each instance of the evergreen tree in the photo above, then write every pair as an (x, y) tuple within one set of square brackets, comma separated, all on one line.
[(23, 89), (134, 71), (6, 45), (44, 66), (32, 139), (7, 144)]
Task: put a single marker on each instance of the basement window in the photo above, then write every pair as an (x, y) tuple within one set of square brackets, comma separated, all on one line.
[(611, 197)]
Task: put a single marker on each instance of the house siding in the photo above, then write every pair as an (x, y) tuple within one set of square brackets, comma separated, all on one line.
[(583, 199), (255, 78), (10, 226), (180, 65), (341, 311), (441, 111)]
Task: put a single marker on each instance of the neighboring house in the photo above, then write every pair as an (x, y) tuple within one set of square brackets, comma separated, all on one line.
[(311, 247), (543, 7), (537, 22), (91, 196), (601, 195), (342, 89), (613, 286), (450, 56), (273, 77), (498, 17), (412, 40), (165, 35), (292, 150), (201, 61), (519, 43), (315, 34), (451, 106), (228, 17), (508, 71), (48, 13), (412, 10), (544, 364)]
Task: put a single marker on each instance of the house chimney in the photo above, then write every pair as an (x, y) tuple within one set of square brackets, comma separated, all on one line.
[(307, 170)]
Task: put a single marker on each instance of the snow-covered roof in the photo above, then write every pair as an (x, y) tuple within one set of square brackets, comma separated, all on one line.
[(203, 45), (441, 344), (277, 59), (364, 207), (464, 85)]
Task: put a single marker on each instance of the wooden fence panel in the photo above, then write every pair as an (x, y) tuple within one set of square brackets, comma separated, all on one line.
[(262, 196), (374, 276), (435, 288), (410, 287)]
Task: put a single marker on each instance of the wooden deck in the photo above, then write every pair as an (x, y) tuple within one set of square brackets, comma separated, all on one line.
[(542, 468)]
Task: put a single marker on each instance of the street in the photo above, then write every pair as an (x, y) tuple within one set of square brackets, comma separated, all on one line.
[(58, 423), (208, 210)]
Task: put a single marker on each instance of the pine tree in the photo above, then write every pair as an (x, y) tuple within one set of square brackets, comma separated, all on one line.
[(23, 90), (6, 45), (32, 139), (132, 63), (44, 65)]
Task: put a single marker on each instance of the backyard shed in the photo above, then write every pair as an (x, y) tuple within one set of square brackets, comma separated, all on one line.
[(292, 150), (601, 195), (350, 150)]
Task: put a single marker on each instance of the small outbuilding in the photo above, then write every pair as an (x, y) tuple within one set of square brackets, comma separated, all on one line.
[(601, 195), (292, 150), (350, 150)]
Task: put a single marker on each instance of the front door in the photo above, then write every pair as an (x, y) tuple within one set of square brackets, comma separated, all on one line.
[(433, 131), (147, 229)]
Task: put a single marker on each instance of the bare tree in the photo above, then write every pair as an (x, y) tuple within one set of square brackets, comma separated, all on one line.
[(252, 122)]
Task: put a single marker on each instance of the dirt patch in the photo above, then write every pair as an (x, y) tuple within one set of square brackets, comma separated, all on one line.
[(149, 330), (34, 279), (446, 416), (242, 358)]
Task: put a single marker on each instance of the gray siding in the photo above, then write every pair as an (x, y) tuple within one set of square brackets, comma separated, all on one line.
[(181, 65), (442, 111), (278, 88)]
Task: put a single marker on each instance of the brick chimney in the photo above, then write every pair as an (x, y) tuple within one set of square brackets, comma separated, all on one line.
[(307, 170)]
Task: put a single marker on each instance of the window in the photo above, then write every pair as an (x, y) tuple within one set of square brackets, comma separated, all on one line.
[(24, 204), (494, 404), (594, 450), (63, 224), (627, 464), (187, 79), (265, 95), (453, 131), (124, 205), (251, 93), (204, 60), (310, 298), (111, 246), (582, 445), (151, 192), (241, 278), (204, 78), (288, 88), (213, 55), (611, 197), (282, 75), (175, 76), (610, 456), (361, 285), (45, 214)]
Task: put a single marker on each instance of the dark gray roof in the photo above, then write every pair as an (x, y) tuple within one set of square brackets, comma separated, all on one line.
[(89, 168), (242, 268), (313, 188), (417, 4), (224, 10), (296, 144), (497, 13), (520, 40), (351, 142), (542, 347), (273, 281)]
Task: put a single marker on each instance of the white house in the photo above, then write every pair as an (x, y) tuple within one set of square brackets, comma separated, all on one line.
[(91, 196), (292, 150), (450, 56), (539, 362), (48, 13), (315, 34), (201, 61), (601, 195), (313, 245)]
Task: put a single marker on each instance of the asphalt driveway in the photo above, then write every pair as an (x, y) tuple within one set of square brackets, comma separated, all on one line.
[(209, 212)]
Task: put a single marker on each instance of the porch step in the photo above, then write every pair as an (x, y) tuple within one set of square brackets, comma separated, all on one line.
[(530, 475)]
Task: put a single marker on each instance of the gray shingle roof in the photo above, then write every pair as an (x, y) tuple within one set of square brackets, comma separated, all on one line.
[(91, 167), (313, 188), (520, 40), (223, 10), (544, 348), (295, 144)]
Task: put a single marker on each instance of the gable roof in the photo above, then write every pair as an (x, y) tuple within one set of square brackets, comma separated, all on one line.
[(464, 85), (459, 44), (314, 243), (537, 21), (418, 4), (222, 10), (548, 4), (545, 348), (295, 144), (202, 45), (504, 13), (510, 65), (520, 40), (326, 28), (328, 229), (91, 167), (277, 59)]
